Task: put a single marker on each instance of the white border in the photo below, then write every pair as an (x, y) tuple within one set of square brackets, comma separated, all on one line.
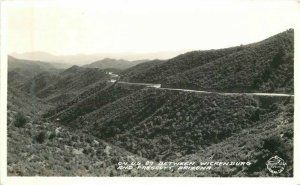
[(296, 97), (3, 94)]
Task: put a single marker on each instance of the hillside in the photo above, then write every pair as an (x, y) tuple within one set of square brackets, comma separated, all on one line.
[(163, 125), (140, 69), (51, 149), (19, 70), (266, 66), (65, 85), (92, 99), (14, 63), (78, 122), (18, 101), (113, 63)]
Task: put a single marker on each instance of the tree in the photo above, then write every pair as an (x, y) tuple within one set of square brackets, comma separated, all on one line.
[(278, 58), (41, 137), (20, 120)]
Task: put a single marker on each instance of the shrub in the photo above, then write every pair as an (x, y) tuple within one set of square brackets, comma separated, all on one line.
[(52, 135), (41, 137), (272, 143), (20, 120)]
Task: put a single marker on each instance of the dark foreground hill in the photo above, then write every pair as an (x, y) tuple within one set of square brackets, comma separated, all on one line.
[(163, 125), (159, 125), (266, 66)]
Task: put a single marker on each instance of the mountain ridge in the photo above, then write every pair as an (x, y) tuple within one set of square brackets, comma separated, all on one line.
[(259, 63), (108, 63), (79, 116)]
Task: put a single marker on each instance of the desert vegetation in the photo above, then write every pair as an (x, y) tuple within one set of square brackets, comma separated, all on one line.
[(266, 66), (75, 122)]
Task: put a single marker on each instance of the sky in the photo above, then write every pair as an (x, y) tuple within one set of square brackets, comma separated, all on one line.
[(139, 26)]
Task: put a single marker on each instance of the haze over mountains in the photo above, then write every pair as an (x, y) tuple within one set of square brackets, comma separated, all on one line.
[(83, 59), (109, 63), (77, 122)]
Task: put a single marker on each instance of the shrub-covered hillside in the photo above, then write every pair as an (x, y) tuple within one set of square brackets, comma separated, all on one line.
[(20, 71), (159, 125), (156, 71), (44, 148), (29, 65), (61, 87), (266, 66), (162, 124), (76, 122), (273, 136), (91, 100)]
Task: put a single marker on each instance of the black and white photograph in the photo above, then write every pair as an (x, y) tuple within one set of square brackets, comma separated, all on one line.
[(132, 88)]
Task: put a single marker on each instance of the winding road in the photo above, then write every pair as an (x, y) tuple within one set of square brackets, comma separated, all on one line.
[(158, 86)]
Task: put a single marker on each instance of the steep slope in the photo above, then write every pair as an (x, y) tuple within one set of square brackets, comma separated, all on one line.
[(162, 125), (139, 70), (64, 86), (50, 149), (90, 100), (19, 71), (87, 125), (255, 145), (113, 63), (14, 63), (159, 70), (17, 77), (18, 101), (266, 66)]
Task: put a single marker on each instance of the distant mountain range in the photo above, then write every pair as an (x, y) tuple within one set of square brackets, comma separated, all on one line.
[(83, 59), (29, 64), (113, 63), (48, 75)]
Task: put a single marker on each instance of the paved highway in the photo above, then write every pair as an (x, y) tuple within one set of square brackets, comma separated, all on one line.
[(158, 86)]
